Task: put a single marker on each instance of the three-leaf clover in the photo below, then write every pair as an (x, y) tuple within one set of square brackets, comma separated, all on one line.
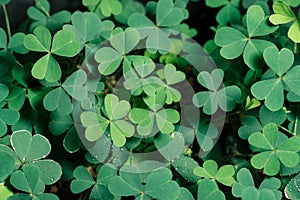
[(172, 77), (138, 74), (62, 44), (244, 187), (284, 14), (228, 13), (234, 43), (115, 112), (157, 118), (28, 180), (271, 88), (84, 180), (155, 185), (122, 42), (168, 14), (210, 170), (88, 27), (40, 14), (210, 100), (275, 149)]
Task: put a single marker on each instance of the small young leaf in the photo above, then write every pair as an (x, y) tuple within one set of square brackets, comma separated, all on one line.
[(208, 190)]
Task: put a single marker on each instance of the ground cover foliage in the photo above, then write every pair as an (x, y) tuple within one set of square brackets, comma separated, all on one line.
[(117, 101)]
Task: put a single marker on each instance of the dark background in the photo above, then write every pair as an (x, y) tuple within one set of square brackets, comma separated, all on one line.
[(201, 17)]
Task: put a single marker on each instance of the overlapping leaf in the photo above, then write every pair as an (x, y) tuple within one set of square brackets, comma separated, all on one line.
[(122, 43), (210, 170), (155, 185), (224, 98), (62, 44), (115, 112), (244, 187), (275, 148), (272, 89), (84, 180), (284, 14), (138, 74), (234, 43), (156, 119)]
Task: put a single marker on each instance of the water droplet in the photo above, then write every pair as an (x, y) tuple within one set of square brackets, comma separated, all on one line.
[(290, 189), (298, 190), (52, 179), (24, 159)]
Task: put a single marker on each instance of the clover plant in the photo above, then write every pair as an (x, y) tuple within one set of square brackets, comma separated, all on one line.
[(116, 99)]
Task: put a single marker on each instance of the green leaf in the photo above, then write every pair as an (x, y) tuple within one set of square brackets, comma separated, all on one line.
[(4, 2), (167, 14), (26, 145), (208, 190), (185, 167), (215, 3), (210, 170), (83, 180), (59, 123), (274, 153), (7, 117), (72, 142), (291, 189), (282, 13), (40, 41), (74, 85), (122, 42), (46, 67), (50, 171), (16, 98), (3, 40), (109, 7), (5, 191), (7, 163), (28, 180), (244, 187), (16, 43), (57, 99), (155, 185), (64, 44)]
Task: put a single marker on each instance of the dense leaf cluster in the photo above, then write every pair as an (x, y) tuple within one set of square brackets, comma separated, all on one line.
[(117, 101)]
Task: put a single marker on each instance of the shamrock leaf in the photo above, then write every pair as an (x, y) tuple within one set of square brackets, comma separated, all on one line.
[(251, 124), (172, 77), (40, 14), (63, 44), (74, 85), (229, 11), (25, 145), (210, 100), (139, 78), (272, 90), (283, 14), (152, 186), (115, 112), (208, 190), (185, 167), (105, 7), (167, 15), (122, 43), (244, 187), (210, 170), (57, 99), (291, 189), (4, 2), (84, 180), (16, 98), (129, 7), (28, 180), (7, 117), (7, 165), (87, 27), (59, 123), (275, 149), (237, 43), (156, 118)]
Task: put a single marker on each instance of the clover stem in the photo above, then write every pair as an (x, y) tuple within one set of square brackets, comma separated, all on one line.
[(296, 122), (286, 130), (295, 48), (6, 21)]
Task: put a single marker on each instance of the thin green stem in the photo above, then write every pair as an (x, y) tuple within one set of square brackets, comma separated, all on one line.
[(296, 122), (295, 48), (6, 21), (286, 130)]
